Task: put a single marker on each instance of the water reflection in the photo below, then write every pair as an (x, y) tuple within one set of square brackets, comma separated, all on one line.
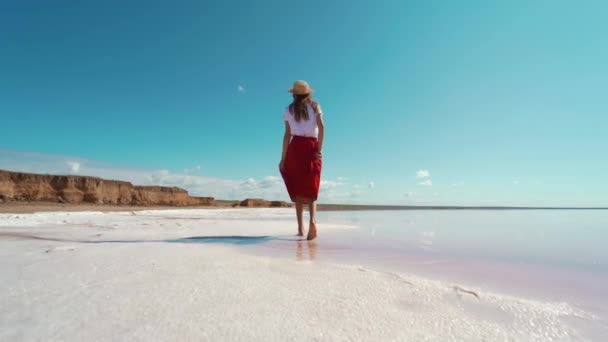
[(311, 250)]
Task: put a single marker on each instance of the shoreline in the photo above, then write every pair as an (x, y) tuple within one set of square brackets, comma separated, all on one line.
[(38, 207), (18, 207)]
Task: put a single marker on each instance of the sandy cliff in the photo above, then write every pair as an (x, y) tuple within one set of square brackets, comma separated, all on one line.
[(17, 186), (260, 203)]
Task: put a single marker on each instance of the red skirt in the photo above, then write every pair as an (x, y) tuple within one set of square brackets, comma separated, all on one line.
[(302, 171)]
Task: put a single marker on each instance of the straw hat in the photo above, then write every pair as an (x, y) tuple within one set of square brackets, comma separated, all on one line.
[(300, 88)]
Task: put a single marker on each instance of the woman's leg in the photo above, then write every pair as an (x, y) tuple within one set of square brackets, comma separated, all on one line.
[(299, 211), (312, 230)]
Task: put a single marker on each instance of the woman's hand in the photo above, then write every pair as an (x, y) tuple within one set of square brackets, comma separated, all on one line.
[(318, 155), (282, 165)]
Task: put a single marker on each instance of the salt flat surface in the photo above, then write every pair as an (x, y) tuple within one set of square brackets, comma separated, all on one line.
[(138, 277), (159, 224)]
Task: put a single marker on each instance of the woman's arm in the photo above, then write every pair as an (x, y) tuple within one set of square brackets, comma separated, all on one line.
[(286, 139), (321, 125)]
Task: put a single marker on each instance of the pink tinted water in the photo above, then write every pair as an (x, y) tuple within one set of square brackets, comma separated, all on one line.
[(550, 255)]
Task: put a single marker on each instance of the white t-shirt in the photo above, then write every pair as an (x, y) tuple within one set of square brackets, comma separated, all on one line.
[(305, 128)]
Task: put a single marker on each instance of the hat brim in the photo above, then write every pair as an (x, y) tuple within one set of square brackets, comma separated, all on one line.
[(295, 92)]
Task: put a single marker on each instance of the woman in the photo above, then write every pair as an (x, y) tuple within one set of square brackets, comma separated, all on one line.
[(301, 162)]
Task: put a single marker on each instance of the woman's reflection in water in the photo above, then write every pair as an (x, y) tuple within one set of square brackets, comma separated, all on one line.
[(310, 247)]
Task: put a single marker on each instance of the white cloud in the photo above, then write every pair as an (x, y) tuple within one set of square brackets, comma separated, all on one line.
[(515, 182), (270, 187), (196, 185), (423, 174), (270, 182), (248, 184), (371, 185), (427, 182), (195, 169), (241, 88), (327, 184), (74, 167), (339, 191)]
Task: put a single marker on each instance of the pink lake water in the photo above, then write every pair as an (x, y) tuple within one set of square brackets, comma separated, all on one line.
[(554, 255)]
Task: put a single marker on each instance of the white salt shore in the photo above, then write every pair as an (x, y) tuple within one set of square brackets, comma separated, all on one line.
[(90, 276)]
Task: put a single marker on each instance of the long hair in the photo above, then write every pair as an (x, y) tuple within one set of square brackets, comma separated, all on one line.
[(299, 106)]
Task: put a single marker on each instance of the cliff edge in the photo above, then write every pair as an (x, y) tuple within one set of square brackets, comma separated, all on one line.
[(18, 186)]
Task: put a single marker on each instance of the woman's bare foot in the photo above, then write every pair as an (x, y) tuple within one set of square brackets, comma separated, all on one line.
[(300, 232), (312, 232)]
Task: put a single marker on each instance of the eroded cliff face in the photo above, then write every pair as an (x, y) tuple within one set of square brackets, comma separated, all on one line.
[(260, 203), (18, 186)]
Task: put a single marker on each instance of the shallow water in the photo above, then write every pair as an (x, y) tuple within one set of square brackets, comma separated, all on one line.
[(549, 254)]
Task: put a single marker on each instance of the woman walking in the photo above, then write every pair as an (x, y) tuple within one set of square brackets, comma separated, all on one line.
[(301, 161)]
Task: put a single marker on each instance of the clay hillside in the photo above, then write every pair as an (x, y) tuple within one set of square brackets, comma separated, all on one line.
[(30, 187)]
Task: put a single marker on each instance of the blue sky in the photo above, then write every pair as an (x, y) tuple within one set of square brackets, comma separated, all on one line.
[(426, 102)]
